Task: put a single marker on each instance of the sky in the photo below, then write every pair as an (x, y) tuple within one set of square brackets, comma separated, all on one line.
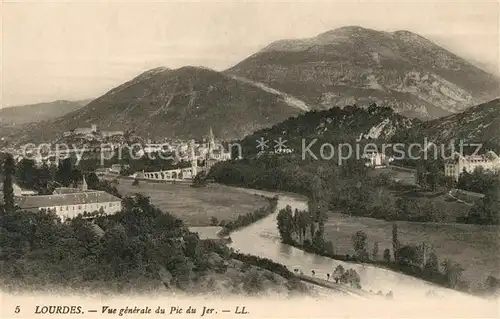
[(81, 49)]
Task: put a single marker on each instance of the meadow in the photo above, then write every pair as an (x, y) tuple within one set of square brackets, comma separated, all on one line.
[(475, 247), (196, 206)]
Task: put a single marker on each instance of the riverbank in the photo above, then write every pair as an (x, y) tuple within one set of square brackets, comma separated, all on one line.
[(475, 247), (249, 218), (262, 239), (417, 272)]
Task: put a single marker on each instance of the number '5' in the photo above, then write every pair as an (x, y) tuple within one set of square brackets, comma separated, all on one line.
[(17, 309)]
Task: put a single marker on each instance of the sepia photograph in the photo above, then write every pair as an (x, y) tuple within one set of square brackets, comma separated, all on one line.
[(250, 159)]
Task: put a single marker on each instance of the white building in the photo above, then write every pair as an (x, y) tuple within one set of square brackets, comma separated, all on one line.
[(115, 169), (489, 161), (112, 133), (85, 130), (375, 159), (70, 202)]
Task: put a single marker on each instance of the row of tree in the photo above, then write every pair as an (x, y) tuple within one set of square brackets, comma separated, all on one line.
[(247, 219), (45, 179), (303, 229), (138, 248), (479, 181)]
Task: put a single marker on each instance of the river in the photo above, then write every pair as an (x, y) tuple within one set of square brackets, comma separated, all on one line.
[(262, 239)]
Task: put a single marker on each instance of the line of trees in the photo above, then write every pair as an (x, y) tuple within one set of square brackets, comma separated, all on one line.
[(479, 181), (138, 249), (246, 219), (302, 229), (45, 179), (415, 260)]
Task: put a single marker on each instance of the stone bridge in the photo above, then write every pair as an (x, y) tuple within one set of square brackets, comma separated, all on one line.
[(178, 174)]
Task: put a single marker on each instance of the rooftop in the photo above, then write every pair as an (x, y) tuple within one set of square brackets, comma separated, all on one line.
[(489, 156), (26, 202)]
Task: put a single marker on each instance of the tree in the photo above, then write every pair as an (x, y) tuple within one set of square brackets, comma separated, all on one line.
[(26, 173), (338, 273), (432, 263), (8, 188), (375, 251), (432, 212), (491, 285), (490, 205), (408, 255), (453, 272), (285, 224), (75, 177), (214, 221), (359, 244), (387, 255), (352, 278), (200, 179), (92, 181), (44, 180), (64, 172), (395, 241)]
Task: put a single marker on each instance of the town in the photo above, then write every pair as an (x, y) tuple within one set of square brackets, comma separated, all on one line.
[(188, 159), (277, 152)]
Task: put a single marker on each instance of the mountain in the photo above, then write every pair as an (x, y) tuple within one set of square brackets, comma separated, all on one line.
[(17, 115), (351, 124), (181, 103), (351, 65), (478, 124)]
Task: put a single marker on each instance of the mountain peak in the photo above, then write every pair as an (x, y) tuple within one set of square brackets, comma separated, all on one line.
[(353, 64), (348, 30), (152, 72), (406, 35)]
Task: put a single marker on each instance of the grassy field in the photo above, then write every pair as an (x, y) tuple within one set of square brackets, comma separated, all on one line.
[(476, 248), (195, 206)]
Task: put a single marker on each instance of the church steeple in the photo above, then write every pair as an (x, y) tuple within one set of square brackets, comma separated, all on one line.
[(194, 160), (84, 184), (211, 140)]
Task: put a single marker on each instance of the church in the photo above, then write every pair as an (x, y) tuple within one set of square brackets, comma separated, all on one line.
[(211, 154)]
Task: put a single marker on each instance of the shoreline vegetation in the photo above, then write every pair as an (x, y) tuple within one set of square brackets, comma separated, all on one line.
[(245, 220), (350, 189), (301, 230), (140, 248)]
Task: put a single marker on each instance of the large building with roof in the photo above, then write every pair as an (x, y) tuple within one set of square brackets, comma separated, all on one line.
[(69, 202), (489, 162), (70, 205)]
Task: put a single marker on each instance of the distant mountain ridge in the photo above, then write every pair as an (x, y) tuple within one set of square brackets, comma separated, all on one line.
[(18, 115), (347, 66), (354, 65), (182, 103), (478, 124)]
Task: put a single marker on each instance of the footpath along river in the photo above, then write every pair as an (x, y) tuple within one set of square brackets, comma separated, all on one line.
[(262, 239)]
